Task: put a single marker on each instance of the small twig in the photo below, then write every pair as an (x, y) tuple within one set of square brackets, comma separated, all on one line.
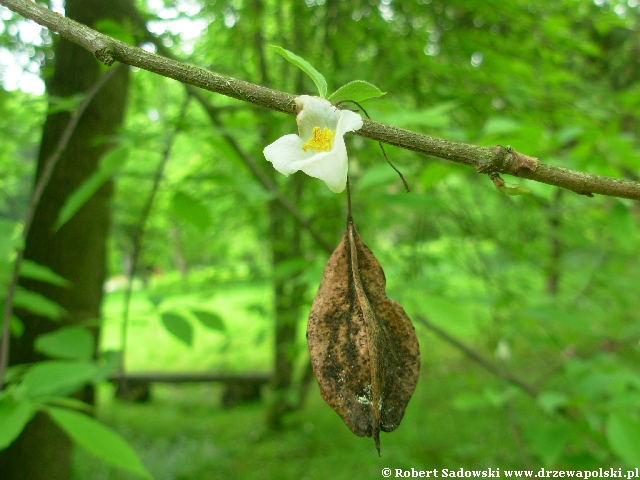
[(492, 367), (137, 240), (47, 171), (406, 185)]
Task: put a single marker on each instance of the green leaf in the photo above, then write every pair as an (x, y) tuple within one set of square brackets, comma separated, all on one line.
[(513, 189), (98, 440), (13, 417), (35, 271), (210, 319), (58, 377), (37, 303), (306, 67), (16, 326), (191, 210), (78, 198), (110, 163), (623, 435), (358, 90), (67, 342), (177, 326)]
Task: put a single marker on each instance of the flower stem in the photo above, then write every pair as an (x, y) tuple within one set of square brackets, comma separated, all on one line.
[(348, 199)]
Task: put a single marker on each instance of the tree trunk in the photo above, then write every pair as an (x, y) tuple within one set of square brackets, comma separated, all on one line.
[(78, 250)]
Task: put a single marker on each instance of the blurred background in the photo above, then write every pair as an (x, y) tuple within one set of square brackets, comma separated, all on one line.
[(194, 266)]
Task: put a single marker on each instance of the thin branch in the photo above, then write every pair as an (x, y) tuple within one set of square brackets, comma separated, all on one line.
[(496, 159), (492, 367), (42, 182)]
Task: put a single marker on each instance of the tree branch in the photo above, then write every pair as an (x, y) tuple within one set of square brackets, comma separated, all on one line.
[(497, 159)]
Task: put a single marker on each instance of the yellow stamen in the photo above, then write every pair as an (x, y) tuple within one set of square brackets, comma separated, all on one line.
[(320, 141)]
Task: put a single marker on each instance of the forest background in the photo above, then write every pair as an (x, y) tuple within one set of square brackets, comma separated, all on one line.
[(543, 288)]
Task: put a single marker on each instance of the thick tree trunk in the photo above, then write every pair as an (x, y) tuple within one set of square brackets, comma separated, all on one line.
[(77, 251)]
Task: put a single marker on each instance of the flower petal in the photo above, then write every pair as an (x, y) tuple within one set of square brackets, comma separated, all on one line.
[(349, 122), (330, 167), (315, 112), (286, 153)]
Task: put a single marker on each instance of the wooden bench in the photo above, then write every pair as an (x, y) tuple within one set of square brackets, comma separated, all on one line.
[(239, 387)]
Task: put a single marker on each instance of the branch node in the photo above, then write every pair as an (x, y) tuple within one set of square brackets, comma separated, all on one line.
[(516, 160), (105, 55)]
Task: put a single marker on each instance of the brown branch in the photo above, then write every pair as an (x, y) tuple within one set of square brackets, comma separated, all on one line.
[(497, 159), (492, 367), (42, 182)]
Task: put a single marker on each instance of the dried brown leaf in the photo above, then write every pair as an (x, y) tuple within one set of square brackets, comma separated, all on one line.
[(364, 349)]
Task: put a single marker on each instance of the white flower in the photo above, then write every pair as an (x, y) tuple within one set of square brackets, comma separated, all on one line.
[(318, 150)]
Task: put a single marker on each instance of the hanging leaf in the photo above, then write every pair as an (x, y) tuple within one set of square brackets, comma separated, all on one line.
[(37, 303), (364, 349), (306, 67), (14, 415), (110, 164), (73, 342), (35, 271), (209, 319), (98, 439), (58, 377), (177, 326)]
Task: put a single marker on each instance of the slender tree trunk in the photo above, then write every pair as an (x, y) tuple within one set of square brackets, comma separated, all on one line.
[(77, 251)]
